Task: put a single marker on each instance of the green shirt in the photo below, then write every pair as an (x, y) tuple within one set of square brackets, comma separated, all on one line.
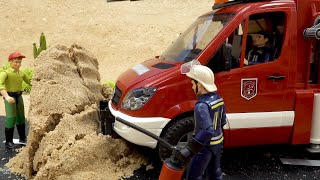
[(11, 80)]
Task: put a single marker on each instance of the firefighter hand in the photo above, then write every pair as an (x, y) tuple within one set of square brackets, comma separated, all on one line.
[(10, 99), (246, 61), (182, 154)]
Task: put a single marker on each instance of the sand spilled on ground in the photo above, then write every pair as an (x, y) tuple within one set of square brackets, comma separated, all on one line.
[(64, 140)]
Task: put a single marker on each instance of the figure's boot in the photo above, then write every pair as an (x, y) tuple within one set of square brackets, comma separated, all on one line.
[(22, 133), (9, 138)]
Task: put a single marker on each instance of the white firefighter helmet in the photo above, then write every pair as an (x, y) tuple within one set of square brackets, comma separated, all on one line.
[(202, 74)]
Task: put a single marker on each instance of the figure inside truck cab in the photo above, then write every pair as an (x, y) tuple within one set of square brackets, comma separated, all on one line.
[(204, 148), (260, 52), (11, 90)]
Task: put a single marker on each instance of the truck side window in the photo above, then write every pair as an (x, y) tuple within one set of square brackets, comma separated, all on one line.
[(222, 62), (236, 40), (263, 42), (264, 37)]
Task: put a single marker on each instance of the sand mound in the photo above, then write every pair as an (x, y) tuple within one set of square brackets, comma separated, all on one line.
[(64, 140)]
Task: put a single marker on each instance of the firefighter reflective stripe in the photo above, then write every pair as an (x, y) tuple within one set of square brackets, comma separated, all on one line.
[(217, 137), (215, 120), (217, 105), (216, 142), (212, 104)]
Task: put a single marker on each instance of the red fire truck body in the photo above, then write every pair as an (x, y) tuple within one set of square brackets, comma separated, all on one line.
[(268, 103)]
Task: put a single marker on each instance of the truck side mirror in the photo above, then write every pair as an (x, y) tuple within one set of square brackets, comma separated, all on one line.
[(314, 31), (227, 56)]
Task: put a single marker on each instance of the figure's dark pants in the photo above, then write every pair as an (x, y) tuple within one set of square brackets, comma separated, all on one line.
[(206, 162), (14, 112)]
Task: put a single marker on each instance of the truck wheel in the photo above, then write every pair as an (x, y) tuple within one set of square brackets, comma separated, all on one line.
[(177, 133)]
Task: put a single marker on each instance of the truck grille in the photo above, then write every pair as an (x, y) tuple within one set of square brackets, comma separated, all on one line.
[(116, 96)]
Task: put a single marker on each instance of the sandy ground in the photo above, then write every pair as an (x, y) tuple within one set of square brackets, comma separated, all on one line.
[(120, 34)]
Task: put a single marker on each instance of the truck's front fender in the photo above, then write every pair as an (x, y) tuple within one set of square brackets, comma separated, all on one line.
[(180, 108)]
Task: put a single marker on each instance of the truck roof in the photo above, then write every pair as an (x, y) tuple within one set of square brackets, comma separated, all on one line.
[(227, 3), (238, 5)]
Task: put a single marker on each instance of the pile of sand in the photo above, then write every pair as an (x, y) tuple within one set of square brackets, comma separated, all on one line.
[(64, 140)]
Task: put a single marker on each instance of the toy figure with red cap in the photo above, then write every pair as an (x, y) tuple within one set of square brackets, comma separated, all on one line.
[(11, 90)]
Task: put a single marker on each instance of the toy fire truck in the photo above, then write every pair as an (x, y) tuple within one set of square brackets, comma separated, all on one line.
[(273, 102)]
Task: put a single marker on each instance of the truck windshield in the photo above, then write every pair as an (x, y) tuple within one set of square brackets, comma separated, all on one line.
[(196, 37)]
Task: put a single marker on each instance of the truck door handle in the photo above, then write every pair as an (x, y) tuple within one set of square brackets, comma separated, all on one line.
[(275, 77)]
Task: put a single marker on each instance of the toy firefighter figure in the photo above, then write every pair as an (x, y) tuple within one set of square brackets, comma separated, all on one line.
[(11, 90), (210, 116)]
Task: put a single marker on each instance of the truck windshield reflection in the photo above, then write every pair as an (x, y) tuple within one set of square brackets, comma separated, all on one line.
[(190, 43)]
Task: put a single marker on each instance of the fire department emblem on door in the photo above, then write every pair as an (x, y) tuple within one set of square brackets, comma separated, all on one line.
[(249, 88)]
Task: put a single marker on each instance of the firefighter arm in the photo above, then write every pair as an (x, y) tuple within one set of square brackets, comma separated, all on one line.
[(196, 143), (224, 117), (204, 122), (266, 56), (248, 63)]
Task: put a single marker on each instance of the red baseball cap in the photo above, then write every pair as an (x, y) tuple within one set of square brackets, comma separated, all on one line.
[(15, 55)]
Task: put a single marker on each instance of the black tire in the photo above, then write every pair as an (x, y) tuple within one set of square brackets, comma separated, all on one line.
[(177, 133)]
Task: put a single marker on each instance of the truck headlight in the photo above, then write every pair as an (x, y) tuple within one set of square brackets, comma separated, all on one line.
[(138, 98)]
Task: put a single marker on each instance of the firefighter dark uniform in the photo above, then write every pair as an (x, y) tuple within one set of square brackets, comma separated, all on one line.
[(258, 55), (210, 117), (204, 148)]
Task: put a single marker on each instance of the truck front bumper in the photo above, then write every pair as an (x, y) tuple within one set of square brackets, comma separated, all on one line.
[(153, 125)]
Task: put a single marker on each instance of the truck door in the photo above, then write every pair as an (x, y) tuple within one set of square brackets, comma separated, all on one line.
[(257, 96)]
